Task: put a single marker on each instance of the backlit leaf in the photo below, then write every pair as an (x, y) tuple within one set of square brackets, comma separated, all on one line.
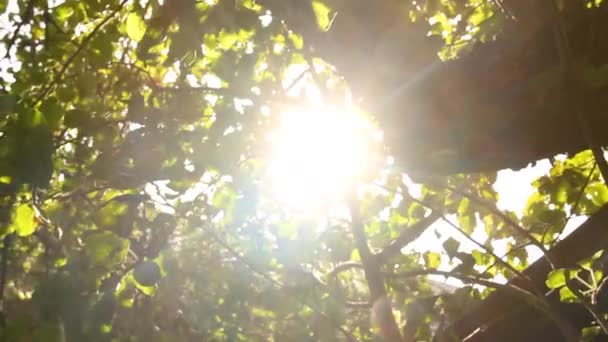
[(557, 278), (566, 295), (136, 27), (322, 12), (24, 220)]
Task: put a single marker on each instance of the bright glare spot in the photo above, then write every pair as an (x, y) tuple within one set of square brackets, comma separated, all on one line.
[(515, 187), (316, 155)]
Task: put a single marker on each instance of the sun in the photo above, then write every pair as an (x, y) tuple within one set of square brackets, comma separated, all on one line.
[(317, 154)]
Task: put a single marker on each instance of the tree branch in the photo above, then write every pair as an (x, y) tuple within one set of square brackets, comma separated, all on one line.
[(375, 280), (537, 301), (343, 267), (408, 235), (242, 259), (477, 243), (572, 85), (516, 227), (79, 49), (593, 309)]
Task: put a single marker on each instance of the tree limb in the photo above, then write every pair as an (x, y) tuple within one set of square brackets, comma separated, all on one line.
[(375, 280), (537, 301), (593, 309), (343, 267), (407, 236), (573, 85)]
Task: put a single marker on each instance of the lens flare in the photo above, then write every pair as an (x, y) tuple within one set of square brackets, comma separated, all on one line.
[(317, 154)]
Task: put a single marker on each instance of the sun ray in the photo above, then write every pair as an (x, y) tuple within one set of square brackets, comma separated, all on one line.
[(317, 153)]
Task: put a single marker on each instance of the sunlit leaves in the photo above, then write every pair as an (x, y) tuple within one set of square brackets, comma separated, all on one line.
[(53, 113), (557, 278), (573, 183), (105, 249), (24, 220), (148, 104), (135, 26), (63, 12), (432, 260)]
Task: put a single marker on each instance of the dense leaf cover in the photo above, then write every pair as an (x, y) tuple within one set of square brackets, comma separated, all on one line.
[(133, 176)]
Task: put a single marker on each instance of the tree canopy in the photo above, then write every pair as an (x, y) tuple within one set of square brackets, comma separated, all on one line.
[(147, 149)]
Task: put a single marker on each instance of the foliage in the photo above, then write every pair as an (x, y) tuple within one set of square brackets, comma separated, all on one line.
[(132, 163)]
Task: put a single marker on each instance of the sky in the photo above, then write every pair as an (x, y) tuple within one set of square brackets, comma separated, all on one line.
[(514, 189)]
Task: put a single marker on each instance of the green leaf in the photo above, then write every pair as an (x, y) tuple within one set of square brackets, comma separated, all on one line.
[(63, 12), (598, 193), (136, 27), (53, 113), (463, 207), (451, 247), (557, 278), (322, 12), (587, 264), (8, 103), (297, 40), (24, 221), (106, 249), (566, 295), (467, 222), (227, 39), (32, 118), (482, 258), (591, 333), (147, 273), (432, 259)]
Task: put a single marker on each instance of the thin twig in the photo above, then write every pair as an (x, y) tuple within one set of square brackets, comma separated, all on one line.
[(407, 236), (268, 278), (296, 80), (79, 49), (459, 230), (524, 245), (579, 197), (598, 290), (593, 309), (344, 267), (538, 302), (516, 227)]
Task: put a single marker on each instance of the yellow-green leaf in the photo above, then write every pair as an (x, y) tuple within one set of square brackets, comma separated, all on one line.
[(24, 220), (136, 27), (566, 295), (556, 279), (64, 11), (322, 12)]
